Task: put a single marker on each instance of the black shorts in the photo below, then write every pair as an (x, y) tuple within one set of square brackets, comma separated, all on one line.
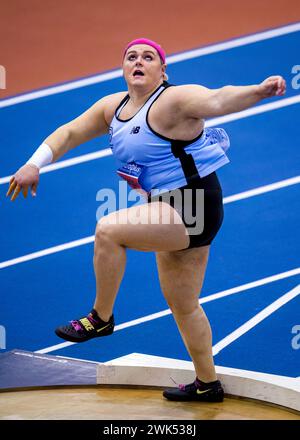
[(201, 208)]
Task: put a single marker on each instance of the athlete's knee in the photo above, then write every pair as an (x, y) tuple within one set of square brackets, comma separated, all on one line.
[(183, 308), (105, 231)]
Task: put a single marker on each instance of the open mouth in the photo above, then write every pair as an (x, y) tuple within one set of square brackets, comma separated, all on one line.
[(138, 73)]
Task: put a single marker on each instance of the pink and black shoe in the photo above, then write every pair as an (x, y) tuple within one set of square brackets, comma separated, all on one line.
[(88, 327), (196, 391)]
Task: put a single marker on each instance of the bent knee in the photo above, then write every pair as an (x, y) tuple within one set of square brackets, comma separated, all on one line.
[(106, 229)]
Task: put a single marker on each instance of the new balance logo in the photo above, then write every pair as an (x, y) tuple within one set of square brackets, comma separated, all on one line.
[(135, 130)]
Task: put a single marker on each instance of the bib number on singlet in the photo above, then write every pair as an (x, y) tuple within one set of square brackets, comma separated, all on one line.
[(131, 172)]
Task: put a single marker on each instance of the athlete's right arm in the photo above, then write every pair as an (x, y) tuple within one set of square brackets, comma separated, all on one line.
[(90, 124)]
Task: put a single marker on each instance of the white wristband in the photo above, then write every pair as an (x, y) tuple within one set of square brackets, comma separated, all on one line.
[(43, 156)]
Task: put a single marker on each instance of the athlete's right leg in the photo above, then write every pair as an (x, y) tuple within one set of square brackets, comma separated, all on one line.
[(149, 227)]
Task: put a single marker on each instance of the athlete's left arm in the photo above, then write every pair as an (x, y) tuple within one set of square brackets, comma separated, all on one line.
[(200, 102)]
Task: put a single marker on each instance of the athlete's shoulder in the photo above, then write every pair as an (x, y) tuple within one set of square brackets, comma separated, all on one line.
[(111, 103), (184, 91), (109, 100), (175, 99), (114, 98), (190, 100)]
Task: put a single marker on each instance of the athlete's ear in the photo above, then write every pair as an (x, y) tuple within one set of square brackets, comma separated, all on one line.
[(165, 75)]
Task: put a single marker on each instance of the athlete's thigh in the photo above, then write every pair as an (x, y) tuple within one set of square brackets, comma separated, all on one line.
[(181, 275), (152, 226)]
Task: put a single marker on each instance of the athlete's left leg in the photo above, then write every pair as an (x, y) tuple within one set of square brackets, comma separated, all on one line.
[(181, 277)]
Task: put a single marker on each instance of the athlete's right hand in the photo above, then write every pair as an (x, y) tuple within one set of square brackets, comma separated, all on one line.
[(26, 177)]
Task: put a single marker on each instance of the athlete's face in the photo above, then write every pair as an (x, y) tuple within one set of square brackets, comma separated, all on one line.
[(142, 66)]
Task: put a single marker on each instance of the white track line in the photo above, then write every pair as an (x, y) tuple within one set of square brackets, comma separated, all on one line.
[(206, 299), (275, 105), (118, 73), (231, 44), (262, 189), (68, 163), (251, 285), (48, 251), (72, 85), (256, 320), (219, 47), (86, 240), (210, 123)]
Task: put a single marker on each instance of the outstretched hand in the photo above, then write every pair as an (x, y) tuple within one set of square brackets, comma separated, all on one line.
[(272, 86), (26, 177)]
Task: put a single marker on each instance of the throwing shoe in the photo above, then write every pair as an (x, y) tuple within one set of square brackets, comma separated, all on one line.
[(196, 391), (88, 327)]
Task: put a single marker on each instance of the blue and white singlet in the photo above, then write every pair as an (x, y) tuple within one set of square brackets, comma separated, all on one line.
[(153, 162)]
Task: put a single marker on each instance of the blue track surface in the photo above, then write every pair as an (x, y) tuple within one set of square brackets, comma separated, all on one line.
[(259, 237)]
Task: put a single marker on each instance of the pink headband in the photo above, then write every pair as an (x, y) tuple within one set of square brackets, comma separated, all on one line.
[(156, 46)]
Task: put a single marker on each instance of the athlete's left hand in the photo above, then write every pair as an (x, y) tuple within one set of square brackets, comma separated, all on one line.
[(272, 86)]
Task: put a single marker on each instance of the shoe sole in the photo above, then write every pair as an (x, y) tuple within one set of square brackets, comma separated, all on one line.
[(183, 398), (62, 335)]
